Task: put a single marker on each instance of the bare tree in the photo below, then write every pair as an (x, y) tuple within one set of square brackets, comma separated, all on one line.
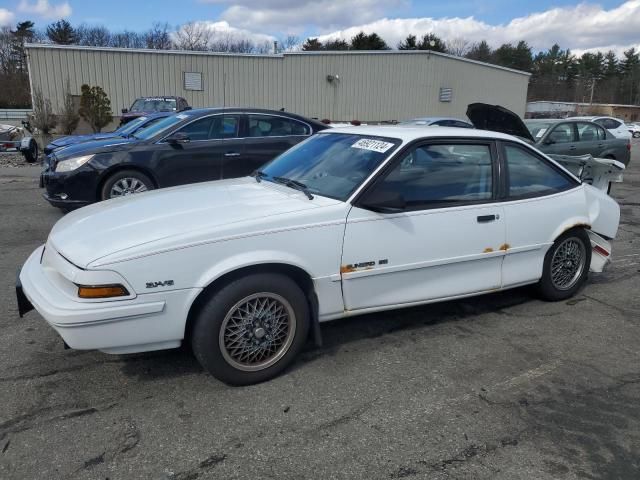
[(158, 37), (193, 36), (458, 46), (290, 43), (127, 39), (97, 36), (43, 117)]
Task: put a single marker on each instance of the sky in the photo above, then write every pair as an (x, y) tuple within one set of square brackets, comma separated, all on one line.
[(580, 26)]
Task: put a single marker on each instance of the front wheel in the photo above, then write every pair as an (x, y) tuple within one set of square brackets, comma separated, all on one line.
[(636, 134), (566, 265), (125, 182), (251, 329)]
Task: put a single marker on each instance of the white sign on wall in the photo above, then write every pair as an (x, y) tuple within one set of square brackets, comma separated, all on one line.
[(193, 80)]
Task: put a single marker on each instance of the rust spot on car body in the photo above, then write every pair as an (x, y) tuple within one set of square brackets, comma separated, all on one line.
[(346, 269), (488, 250), (504, 247)]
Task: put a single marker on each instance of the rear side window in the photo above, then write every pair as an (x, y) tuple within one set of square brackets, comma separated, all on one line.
[(272, 126), (608, 123), (530, 176), (588, 132), (440, 175), (562, 133)]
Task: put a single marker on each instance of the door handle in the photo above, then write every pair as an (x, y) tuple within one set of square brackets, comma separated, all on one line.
[(232, 154), (572, 147), (487, 218)]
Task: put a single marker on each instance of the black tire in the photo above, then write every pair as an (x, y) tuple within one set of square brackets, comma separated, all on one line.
[(218, 311), (123, 175), (636, 134), (548, 287), (31, 154)]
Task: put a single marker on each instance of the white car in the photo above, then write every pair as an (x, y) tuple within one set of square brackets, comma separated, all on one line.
[(634, 129), (350, 221), (616, 126)]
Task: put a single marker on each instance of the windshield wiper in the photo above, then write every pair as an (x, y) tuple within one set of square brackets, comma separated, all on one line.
[(259, 175), (295, 184)]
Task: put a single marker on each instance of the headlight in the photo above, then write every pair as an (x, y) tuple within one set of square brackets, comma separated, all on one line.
[(72, 163), (102, 291)]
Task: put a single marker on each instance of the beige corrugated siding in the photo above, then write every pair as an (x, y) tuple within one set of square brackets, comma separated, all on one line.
[(371, 86)]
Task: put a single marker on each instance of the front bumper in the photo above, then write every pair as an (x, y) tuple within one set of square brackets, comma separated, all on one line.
[(70, 190), (147, 322)]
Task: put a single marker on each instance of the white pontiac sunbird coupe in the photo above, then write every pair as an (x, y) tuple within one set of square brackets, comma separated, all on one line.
[(350, 221)]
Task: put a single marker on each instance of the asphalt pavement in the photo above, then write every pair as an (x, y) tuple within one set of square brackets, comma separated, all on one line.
[(503, 386)]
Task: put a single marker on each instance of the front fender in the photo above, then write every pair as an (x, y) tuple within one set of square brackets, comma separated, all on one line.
[(249, 259)]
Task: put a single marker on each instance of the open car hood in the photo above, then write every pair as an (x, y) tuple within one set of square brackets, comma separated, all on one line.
[(497, 119)]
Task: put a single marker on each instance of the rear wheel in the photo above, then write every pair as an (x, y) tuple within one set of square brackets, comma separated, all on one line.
[(251, 329), (31, 153), (125, 182), (566, 265)]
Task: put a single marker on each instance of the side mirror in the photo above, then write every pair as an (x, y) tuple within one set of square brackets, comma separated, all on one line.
[(125, 110), (177, 138), (383, 201)]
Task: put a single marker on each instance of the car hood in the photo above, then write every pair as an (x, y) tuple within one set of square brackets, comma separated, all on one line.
[(497, 119), (161, 220), (74, 139), (95, 146)]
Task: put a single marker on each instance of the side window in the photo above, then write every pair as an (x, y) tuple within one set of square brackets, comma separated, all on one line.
[(562, 133), (602, 133), (225, 126), (588, 132), (272, 126), (438, 175), (198, 130), (461, 124), (529, 175)]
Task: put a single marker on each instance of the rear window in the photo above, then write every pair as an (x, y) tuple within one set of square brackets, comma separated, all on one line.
[(154, 105)]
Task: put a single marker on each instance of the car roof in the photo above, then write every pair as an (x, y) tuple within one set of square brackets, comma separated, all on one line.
[(594, 117), (200, 112), (436, 119), (408, 133)]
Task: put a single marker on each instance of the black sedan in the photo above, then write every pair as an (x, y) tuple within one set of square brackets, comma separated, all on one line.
[(188, 147)]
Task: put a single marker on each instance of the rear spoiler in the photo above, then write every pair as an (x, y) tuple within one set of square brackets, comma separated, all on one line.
[(599, 172)]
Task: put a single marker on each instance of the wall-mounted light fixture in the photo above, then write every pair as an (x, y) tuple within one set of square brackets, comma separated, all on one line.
[(333, 78)]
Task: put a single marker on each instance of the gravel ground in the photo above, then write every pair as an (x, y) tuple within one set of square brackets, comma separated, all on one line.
[(12, 159), (497, 387)]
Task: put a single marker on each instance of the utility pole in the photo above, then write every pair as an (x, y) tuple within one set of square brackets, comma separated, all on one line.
[(593, 85)]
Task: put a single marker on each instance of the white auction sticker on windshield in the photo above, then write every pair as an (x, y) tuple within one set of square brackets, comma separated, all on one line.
[(541, 132), (373, 145)]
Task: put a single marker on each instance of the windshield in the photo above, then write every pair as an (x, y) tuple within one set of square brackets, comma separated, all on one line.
[(131, 126), (160, 126), (332, 165), (154, 105), (538, 129)]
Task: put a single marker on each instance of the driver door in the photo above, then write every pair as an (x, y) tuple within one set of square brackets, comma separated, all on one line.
[(211, 140), (446, 240)]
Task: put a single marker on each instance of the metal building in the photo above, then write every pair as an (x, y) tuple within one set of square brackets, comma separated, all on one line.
[(341, 86)]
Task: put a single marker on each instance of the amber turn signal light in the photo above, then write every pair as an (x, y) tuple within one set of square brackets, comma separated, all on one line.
[(101, 291)]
